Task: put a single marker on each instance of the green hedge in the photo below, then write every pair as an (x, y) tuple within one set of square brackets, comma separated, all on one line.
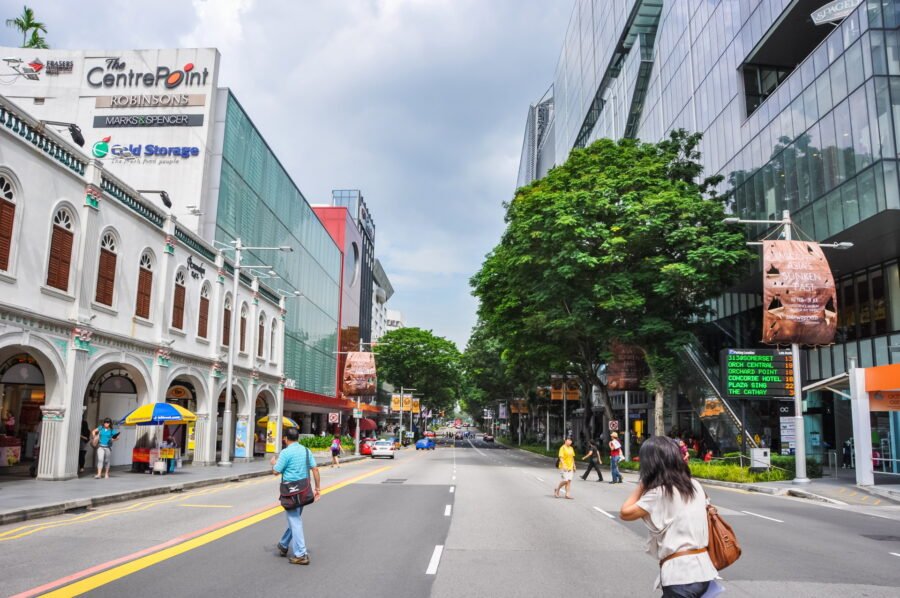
[(320, 443), (724, 471), (813, 467)]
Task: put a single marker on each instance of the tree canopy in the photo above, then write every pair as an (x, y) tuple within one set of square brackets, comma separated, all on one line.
[(26, 22), (622, 243), (416, 358)]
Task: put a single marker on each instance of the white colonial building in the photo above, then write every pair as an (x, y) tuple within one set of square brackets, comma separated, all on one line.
[(108, 303)]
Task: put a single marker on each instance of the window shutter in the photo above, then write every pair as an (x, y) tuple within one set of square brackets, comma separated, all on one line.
[(203, 320), (226, 327), (7, 217), (145, 289), (106, 277), (243, 333), (260, 341), (60, 259), (178, 307)]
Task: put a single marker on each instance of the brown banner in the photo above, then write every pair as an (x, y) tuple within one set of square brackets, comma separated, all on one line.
[(800, 304), (556, 388), (627, 368), (564, 388), (359, 374)]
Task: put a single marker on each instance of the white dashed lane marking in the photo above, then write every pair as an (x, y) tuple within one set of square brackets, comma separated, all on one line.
[(599, 510)]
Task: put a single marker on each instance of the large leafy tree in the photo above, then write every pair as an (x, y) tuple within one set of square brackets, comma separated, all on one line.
[(624, 242), (416, 358), (26, 23)]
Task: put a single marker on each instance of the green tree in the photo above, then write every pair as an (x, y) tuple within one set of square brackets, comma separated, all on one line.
[(416, 358), (623, 242), (25, 23)]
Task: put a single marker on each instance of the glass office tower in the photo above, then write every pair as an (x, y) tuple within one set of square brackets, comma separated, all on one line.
[(795, 116), (259, 202)]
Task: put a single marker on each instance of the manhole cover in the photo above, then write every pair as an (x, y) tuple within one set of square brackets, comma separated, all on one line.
[(880, 538), (394, 481)]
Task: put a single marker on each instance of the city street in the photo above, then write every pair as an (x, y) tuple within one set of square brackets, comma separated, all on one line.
[(475, 514)]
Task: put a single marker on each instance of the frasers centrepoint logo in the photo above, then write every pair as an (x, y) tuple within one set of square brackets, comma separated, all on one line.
[(114, 74), (103, 149)]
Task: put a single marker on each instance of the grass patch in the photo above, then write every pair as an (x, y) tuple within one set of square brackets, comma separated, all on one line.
[(724, 471)]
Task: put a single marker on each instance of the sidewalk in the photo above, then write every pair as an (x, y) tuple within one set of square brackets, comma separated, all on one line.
[(32, 499)]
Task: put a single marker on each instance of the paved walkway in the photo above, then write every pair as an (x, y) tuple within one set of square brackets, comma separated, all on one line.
[(30, 499)]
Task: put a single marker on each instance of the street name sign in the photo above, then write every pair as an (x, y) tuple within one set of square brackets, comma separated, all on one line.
[(758, 373)]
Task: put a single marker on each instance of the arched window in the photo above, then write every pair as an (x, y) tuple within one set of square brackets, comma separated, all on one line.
[(261, 336), (61, 242), (7, 217), (272, 337), (106, 269), (226, 322), (243, 330), (203, 319), (178, 301), (144, 287)]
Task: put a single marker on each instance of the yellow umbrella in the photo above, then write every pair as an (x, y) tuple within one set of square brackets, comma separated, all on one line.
[(286, 422), (157, 414)]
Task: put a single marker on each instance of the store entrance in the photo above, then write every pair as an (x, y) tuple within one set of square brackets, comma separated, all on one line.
[(183, 394), (22, 395), (112, 393)]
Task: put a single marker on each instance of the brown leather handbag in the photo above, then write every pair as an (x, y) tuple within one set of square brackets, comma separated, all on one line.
[(723, 547)]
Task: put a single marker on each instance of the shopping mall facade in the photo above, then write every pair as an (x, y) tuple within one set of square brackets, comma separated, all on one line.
[(795, 116), (157, 120)]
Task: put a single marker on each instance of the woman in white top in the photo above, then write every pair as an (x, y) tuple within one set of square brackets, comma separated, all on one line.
[(673, 507)]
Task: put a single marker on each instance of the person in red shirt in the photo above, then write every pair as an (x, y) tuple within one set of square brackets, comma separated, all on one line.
[(615, 454)]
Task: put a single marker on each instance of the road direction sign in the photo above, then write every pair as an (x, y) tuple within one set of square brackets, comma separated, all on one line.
[(758, 373), (357, 413)]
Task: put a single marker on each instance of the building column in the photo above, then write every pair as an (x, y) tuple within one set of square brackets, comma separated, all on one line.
[(202, 441), (862, 427)]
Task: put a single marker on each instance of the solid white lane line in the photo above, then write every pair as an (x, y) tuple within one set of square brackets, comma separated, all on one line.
[(539, 479), (599, 510), (452, 489), (435, 560), (447, 510), (763, 516)]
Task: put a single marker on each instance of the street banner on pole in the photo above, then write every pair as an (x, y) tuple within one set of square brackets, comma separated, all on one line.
[(626, 369), (502, 411), (556, 387), (799, 299), (359, 374), (415, 405), (395, 403)]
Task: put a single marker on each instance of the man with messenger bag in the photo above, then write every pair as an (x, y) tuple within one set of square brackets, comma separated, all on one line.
[(295, 464)]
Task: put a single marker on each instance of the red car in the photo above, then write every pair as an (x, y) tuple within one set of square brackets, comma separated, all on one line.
[(365, 446), (429, 434)]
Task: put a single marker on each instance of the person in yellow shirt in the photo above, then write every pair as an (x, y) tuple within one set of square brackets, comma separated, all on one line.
[(566, 468)]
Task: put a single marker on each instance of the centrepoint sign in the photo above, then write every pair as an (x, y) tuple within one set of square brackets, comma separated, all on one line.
[(115, 74)]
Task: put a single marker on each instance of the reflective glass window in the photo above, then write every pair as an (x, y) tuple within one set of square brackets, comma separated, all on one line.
[(820, 219), (835, 212), (891, 191), (850, 201), (861, 132), (854, 65), (823, 92), (866, 194)]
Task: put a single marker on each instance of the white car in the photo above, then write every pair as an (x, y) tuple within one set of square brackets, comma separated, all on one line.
[(383, 448)]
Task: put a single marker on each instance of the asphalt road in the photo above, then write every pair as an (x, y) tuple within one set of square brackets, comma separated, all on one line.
[(474, 519)]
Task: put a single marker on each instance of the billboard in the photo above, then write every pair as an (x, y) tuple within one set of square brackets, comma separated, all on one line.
[(627, 368), (146, 115), (799, 299), (359, 374)]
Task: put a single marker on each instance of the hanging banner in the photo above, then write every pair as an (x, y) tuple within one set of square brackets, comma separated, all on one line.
[(359, 374), (271, 433), (240, 438), (190, 436), (557, 383), (573, 389), (627, 368), (800, 304), (415, 405), (501, 413)]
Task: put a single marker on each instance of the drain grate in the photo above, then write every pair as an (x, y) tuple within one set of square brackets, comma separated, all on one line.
[(394, 481), (881, 538)]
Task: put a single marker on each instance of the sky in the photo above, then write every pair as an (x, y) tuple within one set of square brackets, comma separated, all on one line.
[(420, 104)]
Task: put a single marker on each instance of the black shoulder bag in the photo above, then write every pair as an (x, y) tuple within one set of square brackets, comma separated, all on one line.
[(297, 494)]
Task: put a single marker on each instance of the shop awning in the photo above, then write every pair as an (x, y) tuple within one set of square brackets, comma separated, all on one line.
[(836, 384), (367, 424)]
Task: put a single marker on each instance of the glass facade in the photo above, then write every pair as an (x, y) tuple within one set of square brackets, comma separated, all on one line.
[(259, 202), (819, 137)]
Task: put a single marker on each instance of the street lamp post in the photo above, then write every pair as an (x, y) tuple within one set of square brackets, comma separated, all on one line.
[(799, 431), (238, 247)]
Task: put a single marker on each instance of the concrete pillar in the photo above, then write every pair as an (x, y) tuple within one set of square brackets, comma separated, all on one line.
[(862, 427), (61, 429), (204, 450)]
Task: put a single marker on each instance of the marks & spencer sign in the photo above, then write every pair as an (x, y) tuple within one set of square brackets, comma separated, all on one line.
[(148, 120), (114, 73)]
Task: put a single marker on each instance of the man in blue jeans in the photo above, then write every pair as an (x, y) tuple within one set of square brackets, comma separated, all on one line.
[(295, 463)]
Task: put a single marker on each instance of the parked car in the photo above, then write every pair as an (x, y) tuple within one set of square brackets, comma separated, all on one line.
[(365, 446), (429, 434), (487, 438), (383, 448), (426, 444)]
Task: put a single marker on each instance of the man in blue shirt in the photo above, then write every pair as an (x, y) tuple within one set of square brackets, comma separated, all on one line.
[(295, 463)]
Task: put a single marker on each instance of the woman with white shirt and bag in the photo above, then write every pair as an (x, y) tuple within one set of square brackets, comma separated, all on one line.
[(673, 507)]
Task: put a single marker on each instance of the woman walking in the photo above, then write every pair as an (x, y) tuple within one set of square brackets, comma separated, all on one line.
[(673, 507), (615, 454), (593, 459), (335, 451), (566, 468)]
